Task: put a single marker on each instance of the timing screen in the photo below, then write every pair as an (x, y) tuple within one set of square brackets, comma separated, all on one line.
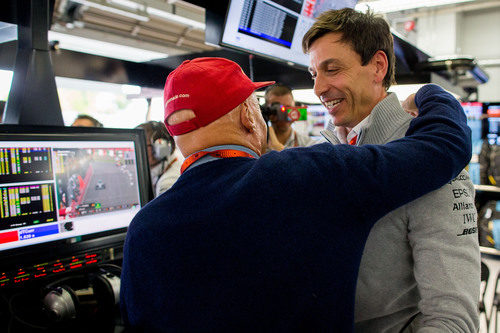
[(275, 27), (56, 190)]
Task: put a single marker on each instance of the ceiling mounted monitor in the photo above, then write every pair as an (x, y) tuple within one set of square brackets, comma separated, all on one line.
[(274, 28)]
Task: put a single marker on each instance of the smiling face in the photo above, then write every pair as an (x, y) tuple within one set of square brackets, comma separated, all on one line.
[(346, 88)]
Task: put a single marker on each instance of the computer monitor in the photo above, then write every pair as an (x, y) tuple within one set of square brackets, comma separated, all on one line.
[(65, 193), (474, 113), (274, 28), (492, 111)]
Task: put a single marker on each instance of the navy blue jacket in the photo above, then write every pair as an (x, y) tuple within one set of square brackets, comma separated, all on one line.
[(274, 244)]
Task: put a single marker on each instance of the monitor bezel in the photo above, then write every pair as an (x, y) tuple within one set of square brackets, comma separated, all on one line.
[(71, 245), (248, 51), (486, 123)]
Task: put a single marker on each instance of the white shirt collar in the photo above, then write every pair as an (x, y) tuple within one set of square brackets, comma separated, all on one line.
[(345, 137)]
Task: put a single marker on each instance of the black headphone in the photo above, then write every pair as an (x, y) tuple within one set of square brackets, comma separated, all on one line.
[(163, 144), (63, 303)]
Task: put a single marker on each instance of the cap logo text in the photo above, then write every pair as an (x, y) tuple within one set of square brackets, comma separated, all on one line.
[(173, 98)]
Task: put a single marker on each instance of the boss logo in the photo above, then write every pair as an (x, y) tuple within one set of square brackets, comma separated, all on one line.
[(468, 231)]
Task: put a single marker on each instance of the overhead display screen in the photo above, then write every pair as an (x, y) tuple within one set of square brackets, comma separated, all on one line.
[(275, 28)]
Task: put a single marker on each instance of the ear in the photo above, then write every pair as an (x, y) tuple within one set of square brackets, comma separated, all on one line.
[(247, 117), (381, 64)]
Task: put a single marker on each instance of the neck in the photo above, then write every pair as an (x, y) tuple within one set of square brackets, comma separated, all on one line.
[(383, 94), (200, 142)]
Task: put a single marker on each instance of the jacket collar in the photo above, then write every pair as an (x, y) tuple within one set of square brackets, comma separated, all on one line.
[(386, 117)]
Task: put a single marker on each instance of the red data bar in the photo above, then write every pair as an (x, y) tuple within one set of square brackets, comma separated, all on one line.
[(7, 237)]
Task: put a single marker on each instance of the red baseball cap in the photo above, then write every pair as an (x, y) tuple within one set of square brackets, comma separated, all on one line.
[(210, 87)]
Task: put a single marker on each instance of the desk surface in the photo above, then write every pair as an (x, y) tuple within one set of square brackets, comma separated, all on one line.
[(487, 188), (490, 251)]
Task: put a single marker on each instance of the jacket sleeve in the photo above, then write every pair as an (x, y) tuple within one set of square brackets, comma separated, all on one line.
[(443, 236), (376, 179)]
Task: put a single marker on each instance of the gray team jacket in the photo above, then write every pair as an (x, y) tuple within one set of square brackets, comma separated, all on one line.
[(420, 270)]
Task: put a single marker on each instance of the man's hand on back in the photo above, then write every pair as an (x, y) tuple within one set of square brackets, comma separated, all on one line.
[(410, 106), (273, 142)]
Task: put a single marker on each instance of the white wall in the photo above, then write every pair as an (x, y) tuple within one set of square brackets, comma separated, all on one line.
[(481, 33), (475, 33), (481, 38), (437, 34)]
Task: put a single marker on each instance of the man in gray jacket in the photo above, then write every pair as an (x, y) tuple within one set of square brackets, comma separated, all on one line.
[(420, 270)]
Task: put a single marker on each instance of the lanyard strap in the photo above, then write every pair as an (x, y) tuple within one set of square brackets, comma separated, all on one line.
[(223, 153), (163, 170), (170, 164)]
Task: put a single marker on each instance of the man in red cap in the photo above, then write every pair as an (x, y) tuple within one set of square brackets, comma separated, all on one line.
[(244, 242)]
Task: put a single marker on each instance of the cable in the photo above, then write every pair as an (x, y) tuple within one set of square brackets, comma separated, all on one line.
[(72, 277), (5, 299), (9, 327), (22, 321), (4, 313), (250, 65), (495, 303), (115, 267)]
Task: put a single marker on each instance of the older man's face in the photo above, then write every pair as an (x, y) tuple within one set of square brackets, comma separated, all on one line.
[(344, 86)]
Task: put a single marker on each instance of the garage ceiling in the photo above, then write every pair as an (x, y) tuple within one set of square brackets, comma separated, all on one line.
[(168, 27)]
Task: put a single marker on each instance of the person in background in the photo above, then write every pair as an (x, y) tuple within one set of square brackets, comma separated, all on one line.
[(83, 120), (287, 137), (2, 110), (245, 242), (420, 269), (164, 162)]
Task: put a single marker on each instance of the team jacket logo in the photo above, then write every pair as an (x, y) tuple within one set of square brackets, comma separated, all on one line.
[(468, 231)]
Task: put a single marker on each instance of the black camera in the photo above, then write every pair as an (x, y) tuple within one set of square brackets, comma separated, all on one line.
[(272, 110), (283, 113)]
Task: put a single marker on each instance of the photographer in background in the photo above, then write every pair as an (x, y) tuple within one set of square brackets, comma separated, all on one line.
[(2, 109), (281, 133), (164, 164)]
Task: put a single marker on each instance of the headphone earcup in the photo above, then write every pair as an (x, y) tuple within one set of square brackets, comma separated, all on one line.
[(61, 304), (107, 289)]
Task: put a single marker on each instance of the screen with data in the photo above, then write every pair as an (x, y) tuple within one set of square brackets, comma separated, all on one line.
[(58, 189), (274, 28), (492, 111)]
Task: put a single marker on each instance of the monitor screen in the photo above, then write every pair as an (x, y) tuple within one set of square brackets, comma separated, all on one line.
[(317, 118), (61, 186), (274, 28), (493, 113), (474, 113)]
